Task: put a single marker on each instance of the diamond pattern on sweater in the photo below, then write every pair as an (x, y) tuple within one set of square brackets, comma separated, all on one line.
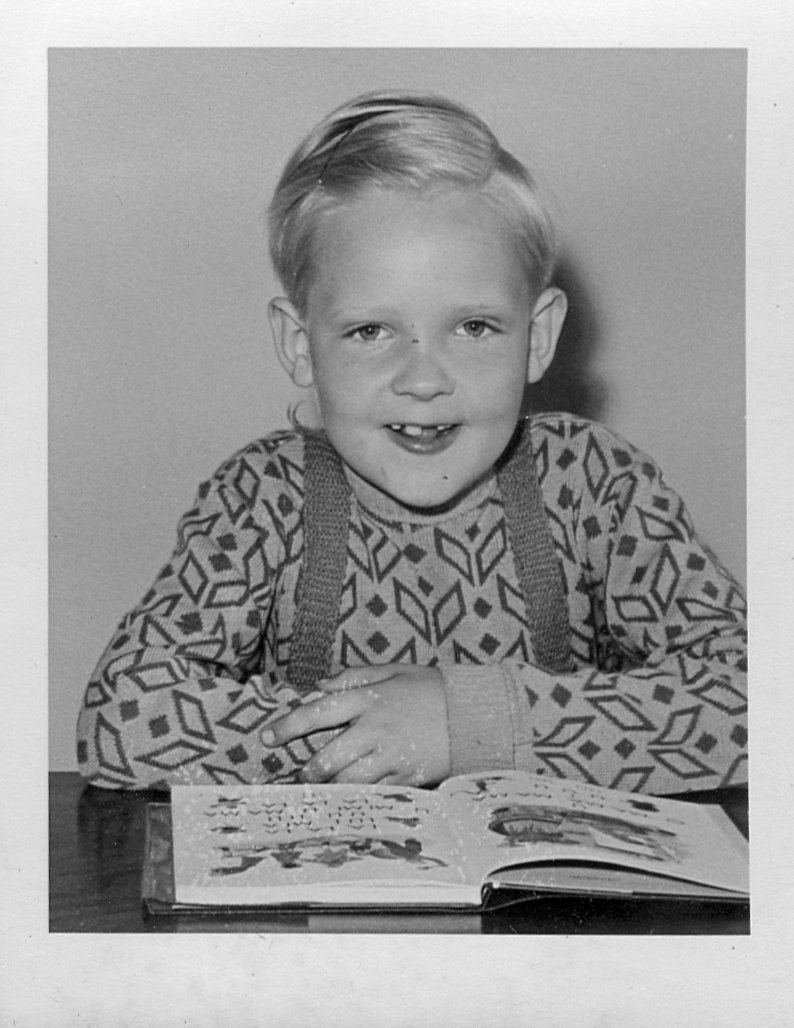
[(246, 482), (511, 601), (411, 608), (448, 613), (349, 603), (679, 727), (620, 712), (565, 765), (633, 779), (385, 558), (109, 747), (656, 701), (193, 720), (174, 755), (719, 693), (658, 528), (596, 468), (246, 717), (567, 731), (491, 552), (160, 674), (665, 581), (454, 553), (683, 764)]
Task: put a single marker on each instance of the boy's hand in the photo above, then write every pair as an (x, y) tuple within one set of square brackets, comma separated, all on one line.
[(395, 727)]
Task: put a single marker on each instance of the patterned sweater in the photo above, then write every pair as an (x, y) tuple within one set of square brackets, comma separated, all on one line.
[(656, 701)]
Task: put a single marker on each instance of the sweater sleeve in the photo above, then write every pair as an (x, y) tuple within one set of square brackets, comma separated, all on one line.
[(659, 703), (183, 690)]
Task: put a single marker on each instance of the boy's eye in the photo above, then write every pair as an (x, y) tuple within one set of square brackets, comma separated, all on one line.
[(475, 327), (367, 333)]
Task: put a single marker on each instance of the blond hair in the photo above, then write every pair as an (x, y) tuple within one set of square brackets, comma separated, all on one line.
[(400, 140)]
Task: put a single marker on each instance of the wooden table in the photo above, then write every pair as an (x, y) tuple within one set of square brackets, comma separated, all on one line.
[(96, 857)]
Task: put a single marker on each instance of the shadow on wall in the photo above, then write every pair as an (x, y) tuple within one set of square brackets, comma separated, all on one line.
[(570, 383)]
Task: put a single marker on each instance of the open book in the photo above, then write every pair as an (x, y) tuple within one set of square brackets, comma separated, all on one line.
[(354, 845)]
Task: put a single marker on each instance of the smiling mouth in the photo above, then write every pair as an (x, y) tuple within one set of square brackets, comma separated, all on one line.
[(424, 439), (421, 431)]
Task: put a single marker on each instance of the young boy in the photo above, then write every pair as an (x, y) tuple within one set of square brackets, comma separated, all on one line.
[(429, 584)]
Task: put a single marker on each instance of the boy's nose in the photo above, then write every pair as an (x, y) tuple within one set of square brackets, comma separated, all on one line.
[(422, 372)]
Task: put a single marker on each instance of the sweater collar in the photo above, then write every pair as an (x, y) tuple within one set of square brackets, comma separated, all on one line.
[(386, 509)]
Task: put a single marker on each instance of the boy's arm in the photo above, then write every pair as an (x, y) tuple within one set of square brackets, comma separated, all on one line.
[(179, 695), (661, 706)]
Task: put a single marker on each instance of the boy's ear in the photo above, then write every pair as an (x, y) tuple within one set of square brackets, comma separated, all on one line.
[(548, 317), (292, 341)]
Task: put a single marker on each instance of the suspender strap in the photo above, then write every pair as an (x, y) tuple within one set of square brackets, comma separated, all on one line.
[(326, 514), (325, 524), (536, 561)]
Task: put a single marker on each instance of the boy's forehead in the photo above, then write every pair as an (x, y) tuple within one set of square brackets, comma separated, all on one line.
[(455, 233)]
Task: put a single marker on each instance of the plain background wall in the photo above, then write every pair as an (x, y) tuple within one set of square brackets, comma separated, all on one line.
[(161, 363)]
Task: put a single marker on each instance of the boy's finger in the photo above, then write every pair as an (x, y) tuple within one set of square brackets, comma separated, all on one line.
[(356, 677), (329, 712), (368, 769), (345, 750)]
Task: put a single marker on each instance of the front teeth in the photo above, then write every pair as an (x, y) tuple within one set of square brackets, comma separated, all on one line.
[(417, 430)]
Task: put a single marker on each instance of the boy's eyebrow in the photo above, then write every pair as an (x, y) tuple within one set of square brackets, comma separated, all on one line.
[(357, 315), (494, 307), (375, 312)]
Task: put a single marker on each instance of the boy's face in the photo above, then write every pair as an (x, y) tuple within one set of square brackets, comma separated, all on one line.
[(419, 336)]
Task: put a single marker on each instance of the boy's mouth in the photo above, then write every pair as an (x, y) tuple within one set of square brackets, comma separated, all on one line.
[(422, 438)]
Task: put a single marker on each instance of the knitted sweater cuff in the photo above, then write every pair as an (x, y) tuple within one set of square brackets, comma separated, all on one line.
[(478, 714)]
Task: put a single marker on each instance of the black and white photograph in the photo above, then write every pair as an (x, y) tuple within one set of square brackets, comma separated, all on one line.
[(396, 434), (519, 583)]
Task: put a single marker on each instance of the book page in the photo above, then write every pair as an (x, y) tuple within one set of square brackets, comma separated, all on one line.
[(601, 880), (508, 818), (259, 844)]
